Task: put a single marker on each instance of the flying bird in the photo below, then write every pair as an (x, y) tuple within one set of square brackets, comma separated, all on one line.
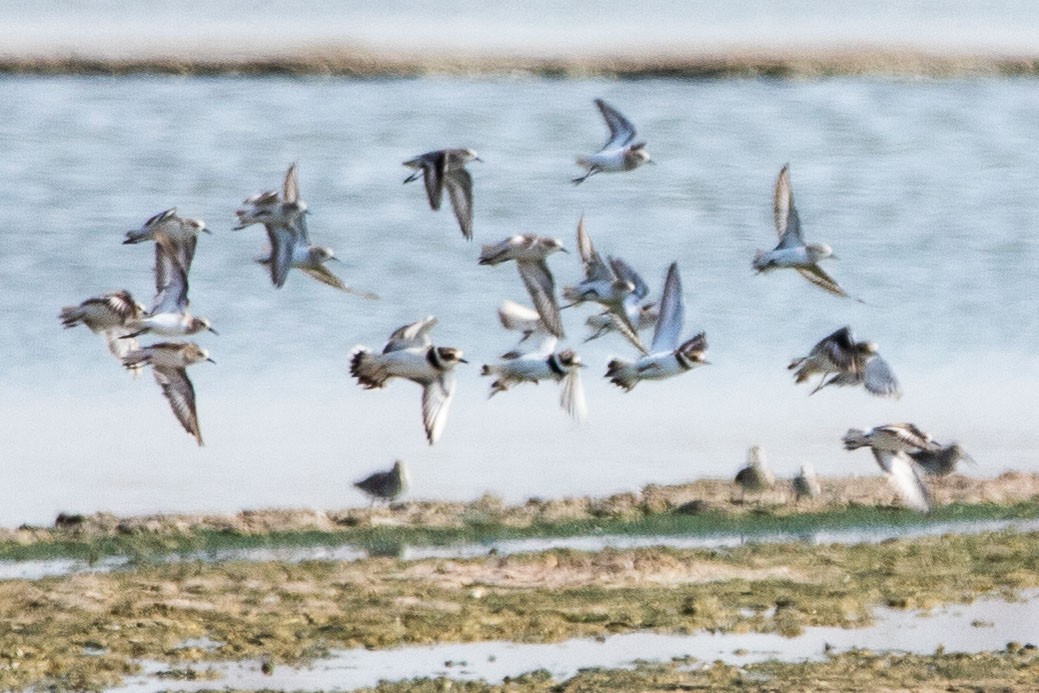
[(530, 251), (169, 362), (620, 153), (542, 363), (111, 316), (892, 445), (169, 314), (410, 354), (614, 285), (792, 250), (843, 361), (666, 358), (284, 218), (445, 168)]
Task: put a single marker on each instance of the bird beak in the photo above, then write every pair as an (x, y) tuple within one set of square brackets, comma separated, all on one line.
[(210, 360), (213, 331), (833, 257), (206, 230), (335, 258), (462, 361)]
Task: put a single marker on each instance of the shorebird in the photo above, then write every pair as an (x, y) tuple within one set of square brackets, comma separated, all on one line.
[(530, 251), (941, 461), (615, 285), (755, 476), (543, 363), (843, 361), (446, 168), (388, 485), (792, 250), (111, 316), (620, 153), (603, 322), (284, 218), (519, 318), (667, 358), (892, 445), (806, 484), (169, 314), (181, 232), (410, 354), (169, 362)]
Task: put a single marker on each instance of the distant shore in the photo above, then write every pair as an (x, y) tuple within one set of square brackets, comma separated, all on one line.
[(358, 63)]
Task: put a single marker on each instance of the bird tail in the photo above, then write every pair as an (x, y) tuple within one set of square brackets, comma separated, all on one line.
[(622, 373), (365, 367), (855, 439), (71, 316)]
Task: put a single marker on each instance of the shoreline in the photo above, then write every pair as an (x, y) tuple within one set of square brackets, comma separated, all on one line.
[(350, 62), (706, 506)]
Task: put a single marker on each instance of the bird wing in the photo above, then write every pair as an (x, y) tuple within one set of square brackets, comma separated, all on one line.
[(838, 349), (672, 309), (817, 276), (571, 396), (411, 336), (784, 213), (325, 276), (171, 280), (541, 287), (181, 395), (290, 190), (434, 165), (901, 473), (625, 271), (282, 241), (879, 379), (436, 399), (621, 130), (460, 189)]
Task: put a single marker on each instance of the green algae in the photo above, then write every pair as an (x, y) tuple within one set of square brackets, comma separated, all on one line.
[(142, 546), (85, 631)]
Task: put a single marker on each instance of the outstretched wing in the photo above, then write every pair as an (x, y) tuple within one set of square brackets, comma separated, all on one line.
[(436, 400), (879, 379), (541, 286), (672, 309), (571, 396), (411, 336), (460, 189), (181, 395), (784, 213), (817, 276), (621, 130)]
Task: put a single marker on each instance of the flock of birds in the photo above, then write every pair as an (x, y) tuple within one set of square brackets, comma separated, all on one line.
[(901, 450)]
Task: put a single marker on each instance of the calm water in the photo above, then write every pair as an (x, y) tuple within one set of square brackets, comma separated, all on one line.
[(925, 189)]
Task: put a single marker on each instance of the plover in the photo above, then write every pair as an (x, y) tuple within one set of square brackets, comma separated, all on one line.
[(530, 251), (446, 168), (519, 318), (792, 250), (181, 233), (110, 316), (843, 361), (620, 153), (667, 358), (169, 314), (806, 484), (410, 354), (169, 362), (388, 485), (284, 218), (543, 363), (755, 476), (614, 285), (892, 445)]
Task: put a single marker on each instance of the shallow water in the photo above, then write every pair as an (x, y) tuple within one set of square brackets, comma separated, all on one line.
[(985, 625), (35, 569), (926, 190)]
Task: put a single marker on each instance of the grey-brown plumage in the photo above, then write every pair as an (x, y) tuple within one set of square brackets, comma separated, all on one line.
[(529, 251), (445, 168), (388, 485), (942, 461), (806, 484), (755, 477), (843, 361), (112, 316), (892, 446), (169, 362)]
